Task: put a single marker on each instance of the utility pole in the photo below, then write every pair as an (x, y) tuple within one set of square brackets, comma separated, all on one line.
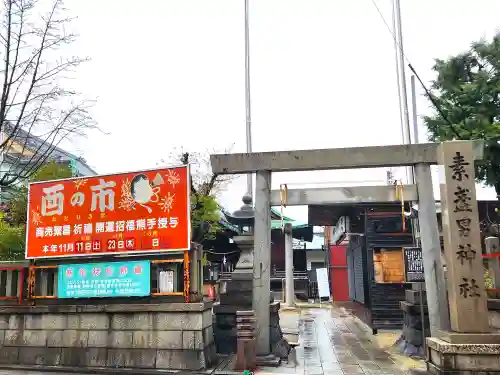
[(402, 91), (248, 121), (398, 74)]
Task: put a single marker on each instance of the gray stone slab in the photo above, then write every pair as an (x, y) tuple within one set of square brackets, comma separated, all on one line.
[(95, 357), (113, 308), (180, 360), (135, 321), (131, 358), (55, 339), (178, 322), (34, 338), (208, 335), (4, 322), (192, 340), (33, 321), (73, 356), (145, 339), (169, 340), (53, 321), (15, 322), (9, 355), (75, 338), (97, 339), (120, 339), (40, 356), (93, 321)]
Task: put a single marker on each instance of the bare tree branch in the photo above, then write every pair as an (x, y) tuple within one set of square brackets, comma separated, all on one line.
[(203, 181), (37, 111)]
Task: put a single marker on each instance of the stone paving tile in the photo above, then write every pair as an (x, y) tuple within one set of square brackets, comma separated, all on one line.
[(330, 343)]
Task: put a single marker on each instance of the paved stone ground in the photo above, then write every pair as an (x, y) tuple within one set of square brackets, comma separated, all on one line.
[(332, 343), (16, 372)]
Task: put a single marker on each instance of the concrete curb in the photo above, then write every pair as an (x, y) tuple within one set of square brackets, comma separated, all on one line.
[(102, 370), (306, 305)]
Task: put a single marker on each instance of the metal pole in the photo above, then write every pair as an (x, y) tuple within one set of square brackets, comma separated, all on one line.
[(289, 284), (248, 121), (415, 226), (404, 97), (414, 109)]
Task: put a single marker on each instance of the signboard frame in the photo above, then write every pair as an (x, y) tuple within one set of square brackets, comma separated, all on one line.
[(323, 283), (419, 275), (102, 265), (114, 253)]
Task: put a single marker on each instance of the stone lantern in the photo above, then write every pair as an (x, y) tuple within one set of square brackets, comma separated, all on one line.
[(236, 295), (244, 218), (236, 292)]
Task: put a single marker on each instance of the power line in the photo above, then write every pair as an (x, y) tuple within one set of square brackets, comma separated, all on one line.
[(427, 92)]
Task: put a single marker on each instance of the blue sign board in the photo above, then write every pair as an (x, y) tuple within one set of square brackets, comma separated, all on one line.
[(116, 279)]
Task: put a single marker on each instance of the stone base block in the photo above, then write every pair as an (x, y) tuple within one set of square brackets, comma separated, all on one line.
[(225, 330), (267, 360), (469, 338), (234, 299), (413, 296), (167, 336), (471, 359)]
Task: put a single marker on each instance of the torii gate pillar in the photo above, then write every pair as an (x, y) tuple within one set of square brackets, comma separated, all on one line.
[(262, 260)]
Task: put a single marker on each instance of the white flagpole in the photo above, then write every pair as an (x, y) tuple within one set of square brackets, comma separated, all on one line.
[(248, 121)]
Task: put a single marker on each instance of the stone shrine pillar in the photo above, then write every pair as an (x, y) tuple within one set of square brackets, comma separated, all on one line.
[(469, 347)]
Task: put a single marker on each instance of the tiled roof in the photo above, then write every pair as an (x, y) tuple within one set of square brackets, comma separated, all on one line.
[(36, 144)]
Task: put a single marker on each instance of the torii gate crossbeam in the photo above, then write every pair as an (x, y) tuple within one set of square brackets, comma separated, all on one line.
[(341, 195)]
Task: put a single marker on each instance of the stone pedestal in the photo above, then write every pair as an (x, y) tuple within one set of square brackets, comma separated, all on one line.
[(412, 342), (245, 355), (238, 297), (165, 336), (468, 359)]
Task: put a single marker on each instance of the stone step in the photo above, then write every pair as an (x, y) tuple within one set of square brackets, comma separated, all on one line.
[(245, 313), (233, 286), (236, 299), (245, 334), (413, 296), (412, 308), (418, 286), (245, 326)]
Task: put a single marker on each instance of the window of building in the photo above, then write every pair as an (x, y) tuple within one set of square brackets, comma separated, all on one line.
[(390, 225), (388, 265), (315, 265)]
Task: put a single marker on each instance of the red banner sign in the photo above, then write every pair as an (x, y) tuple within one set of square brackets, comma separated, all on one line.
[(139, 212)]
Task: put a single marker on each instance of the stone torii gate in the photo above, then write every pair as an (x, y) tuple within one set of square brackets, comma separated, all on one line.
[(421, 156)]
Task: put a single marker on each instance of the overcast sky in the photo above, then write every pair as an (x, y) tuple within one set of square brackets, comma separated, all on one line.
[(170, 73)]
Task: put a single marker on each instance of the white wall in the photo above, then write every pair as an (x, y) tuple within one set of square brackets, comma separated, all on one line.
[(313, 256)]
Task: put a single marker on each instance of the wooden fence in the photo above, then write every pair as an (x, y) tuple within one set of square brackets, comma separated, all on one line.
[(24, 283)]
